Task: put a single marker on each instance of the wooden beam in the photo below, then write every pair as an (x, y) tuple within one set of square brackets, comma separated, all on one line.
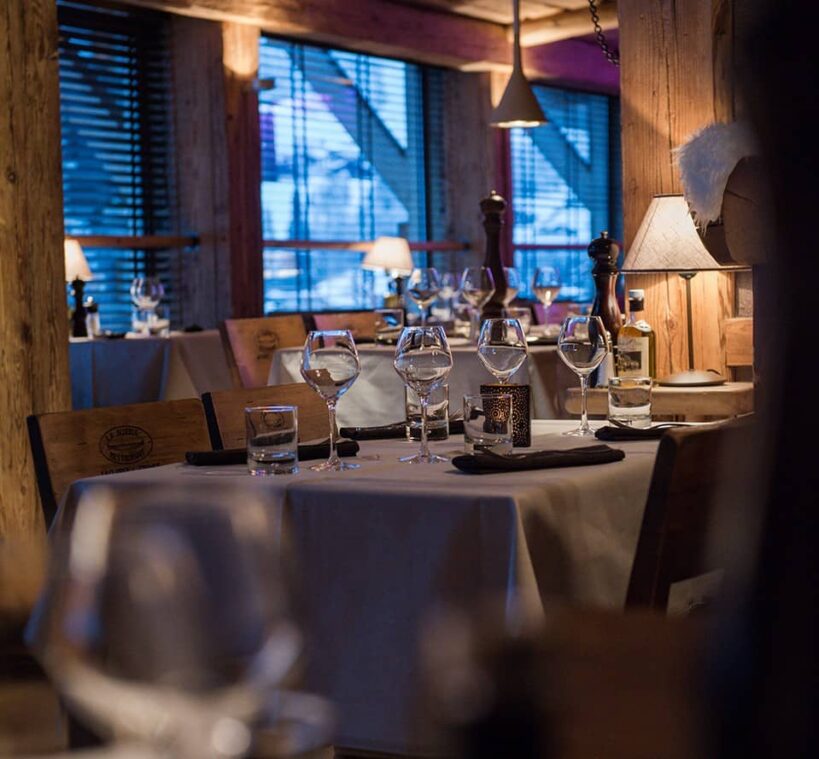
[(33, 312), (240, 59), (142, 242), (667, 92), (565, 25)]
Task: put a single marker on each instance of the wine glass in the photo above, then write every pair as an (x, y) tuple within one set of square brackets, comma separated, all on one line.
[(502, 347), (477, 287), (168, 620), (423, 361), (146, 295), (582, 345), (424, 286), (330, 365), (450, 283), (546, 286), (512, 284)]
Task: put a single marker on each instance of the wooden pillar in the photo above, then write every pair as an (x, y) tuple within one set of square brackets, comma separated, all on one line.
[(672, 83), (240, 59), (34, 374)]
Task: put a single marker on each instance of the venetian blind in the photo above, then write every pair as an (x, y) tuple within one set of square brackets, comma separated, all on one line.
[(343, 158), (116, 143), (566, 186)]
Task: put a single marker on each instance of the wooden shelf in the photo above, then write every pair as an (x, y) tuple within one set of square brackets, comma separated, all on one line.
[(730, 399)]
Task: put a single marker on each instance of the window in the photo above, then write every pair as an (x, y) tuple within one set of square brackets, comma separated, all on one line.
[(116, 143), (565, 187), (343, 159)]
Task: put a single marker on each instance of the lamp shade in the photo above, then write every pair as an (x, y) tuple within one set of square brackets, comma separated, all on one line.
[(76, 266), (391, 253), (667, 240)]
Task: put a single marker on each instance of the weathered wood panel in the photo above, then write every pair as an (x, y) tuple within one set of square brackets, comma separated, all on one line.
[(670, 87), (33, 310)]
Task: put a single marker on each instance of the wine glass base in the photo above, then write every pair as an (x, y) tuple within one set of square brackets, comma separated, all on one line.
[(336, 465), (580, 432), (418, 458)]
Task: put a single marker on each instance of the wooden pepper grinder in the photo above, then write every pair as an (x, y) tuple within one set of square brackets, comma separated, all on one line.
[(604, 251), (493, 208)]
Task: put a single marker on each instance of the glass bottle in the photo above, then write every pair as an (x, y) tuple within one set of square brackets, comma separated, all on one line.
[(636, 341)]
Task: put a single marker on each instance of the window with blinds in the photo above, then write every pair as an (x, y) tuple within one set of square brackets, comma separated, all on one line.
[(343, 159), (565, 187), (116, 143)]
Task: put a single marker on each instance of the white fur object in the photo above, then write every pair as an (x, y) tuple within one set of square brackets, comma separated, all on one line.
[(706, 160)]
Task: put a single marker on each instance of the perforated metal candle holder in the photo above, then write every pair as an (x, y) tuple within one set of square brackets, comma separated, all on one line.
[(521, 410)]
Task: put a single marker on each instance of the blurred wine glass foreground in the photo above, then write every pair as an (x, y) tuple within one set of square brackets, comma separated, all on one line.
[(169, 622)]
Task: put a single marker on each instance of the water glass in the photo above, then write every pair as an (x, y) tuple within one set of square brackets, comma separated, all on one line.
[(388, 324), (522, 314), (437, 414), (630, 401), (272, 439), (488, 423)]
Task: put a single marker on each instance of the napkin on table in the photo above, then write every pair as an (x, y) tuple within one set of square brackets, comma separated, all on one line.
[(486, 462), (613, 433), (307, 452), (390, 431)]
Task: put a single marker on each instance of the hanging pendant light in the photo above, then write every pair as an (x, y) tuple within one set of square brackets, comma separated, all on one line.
[(518, 106)]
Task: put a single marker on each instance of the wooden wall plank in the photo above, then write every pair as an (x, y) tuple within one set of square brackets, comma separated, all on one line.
[(33, 307), (670, 87)]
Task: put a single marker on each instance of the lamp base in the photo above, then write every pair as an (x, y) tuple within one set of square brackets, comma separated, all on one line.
[(692, 378)]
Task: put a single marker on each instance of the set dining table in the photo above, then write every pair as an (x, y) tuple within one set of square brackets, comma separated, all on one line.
[(380, 548)]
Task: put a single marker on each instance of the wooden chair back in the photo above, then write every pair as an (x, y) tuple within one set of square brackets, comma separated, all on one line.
[(69, 445), (225, 411), (360, 323), (688, 473), (739, 342), (250, 343)]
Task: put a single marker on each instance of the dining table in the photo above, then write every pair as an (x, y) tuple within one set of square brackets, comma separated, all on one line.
[(380, 548), (377, 396)]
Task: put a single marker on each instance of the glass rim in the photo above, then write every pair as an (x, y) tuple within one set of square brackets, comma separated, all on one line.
[(280, 408), (329, 332), (642, 380)]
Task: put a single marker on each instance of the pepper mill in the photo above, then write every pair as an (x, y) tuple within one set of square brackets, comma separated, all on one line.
[(493, 207), (604, 251)]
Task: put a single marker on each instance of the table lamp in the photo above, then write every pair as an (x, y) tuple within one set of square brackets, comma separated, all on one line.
[(668, 241), (77, 273), (393, 255)]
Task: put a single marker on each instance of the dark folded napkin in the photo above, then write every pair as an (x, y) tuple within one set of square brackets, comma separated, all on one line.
[(231, 456), (390, 431), (613, 433), (485, 462)]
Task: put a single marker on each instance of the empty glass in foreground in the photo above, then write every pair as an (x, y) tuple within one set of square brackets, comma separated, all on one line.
[(330, 365), (272, 439), (423, 361), (502, 347), (582, 345), (630, 401), (488, 423)]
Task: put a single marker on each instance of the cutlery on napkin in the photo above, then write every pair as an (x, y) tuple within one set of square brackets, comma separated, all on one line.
[(395, 430), (307, 452), (613, 432), (486, 462)]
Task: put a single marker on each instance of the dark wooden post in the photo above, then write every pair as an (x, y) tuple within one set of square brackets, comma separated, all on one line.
[(493, 207)]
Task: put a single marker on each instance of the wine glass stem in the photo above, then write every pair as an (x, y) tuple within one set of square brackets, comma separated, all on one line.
[(423, 316), (331, 409), (424, 443), (584, 390)]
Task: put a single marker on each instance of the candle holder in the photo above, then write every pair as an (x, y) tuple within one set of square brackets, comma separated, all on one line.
[(521, 410)]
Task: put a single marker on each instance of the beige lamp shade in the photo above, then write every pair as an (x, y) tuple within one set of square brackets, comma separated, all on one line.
[(390, 253), (76, 266), (667, 240)]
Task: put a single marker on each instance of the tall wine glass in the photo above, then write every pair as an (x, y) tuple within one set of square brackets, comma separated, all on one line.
[(330, 365), (582, 345), (477, 287), (423, 361), (147, 293), (424, 286), (167, 617), (502, 347), (546, 286), (512, 284)]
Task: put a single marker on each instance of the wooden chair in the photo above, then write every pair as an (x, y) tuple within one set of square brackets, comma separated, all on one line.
[(69, 445), (250, 343), (226, 418), (360, 323), (688, 473)]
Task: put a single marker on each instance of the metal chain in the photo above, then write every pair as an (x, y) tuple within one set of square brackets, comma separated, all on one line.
[(612, 56)]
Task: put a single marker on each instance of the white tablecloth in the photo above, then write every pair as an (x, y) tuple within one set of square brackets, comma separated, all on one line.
[(139, 370), (377, 397), (381, 546)]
